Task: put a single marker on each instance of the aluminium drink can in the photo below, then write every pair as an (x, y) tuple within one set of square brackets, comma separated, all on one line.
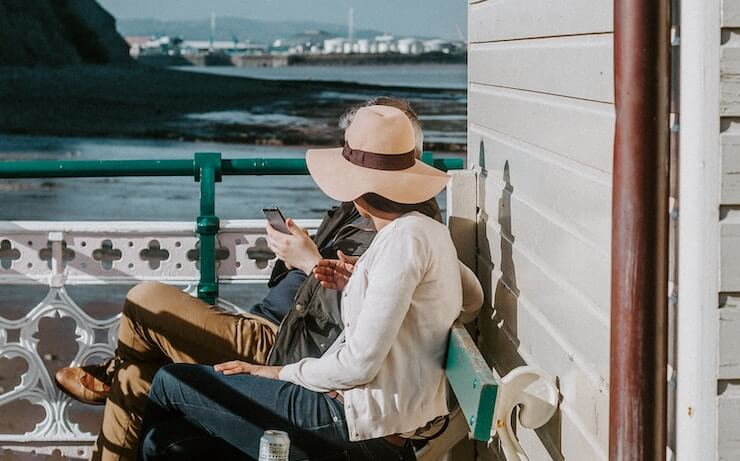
[(274, 446)]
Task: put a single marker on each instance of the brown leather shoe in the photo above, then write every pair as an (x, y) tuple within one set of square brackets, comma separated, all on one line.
[(88, 384)]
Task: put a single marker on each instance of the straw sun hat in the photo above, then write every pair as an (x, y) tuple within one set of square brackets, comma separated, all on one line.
[(378, 156)]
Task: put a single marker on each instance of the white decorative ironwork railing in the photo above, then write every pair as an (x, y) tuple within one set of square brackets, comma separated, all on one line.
[(58, 254)]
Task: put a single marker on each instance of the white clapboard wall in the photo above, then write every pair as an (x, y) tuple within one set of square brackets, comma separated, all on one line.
[(541, 128), (729, 297)]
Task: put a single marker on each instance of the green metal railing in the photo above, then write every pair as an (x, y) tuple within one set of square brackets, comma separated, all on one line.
[(207, 168)]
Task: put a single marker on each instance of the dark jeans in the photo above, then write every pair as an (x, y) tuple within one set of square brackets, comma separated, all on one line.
[(193, 409)]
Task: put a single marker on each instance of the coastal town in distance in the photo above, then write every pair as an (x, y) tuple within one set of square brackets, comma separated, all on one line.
[(188, 45)]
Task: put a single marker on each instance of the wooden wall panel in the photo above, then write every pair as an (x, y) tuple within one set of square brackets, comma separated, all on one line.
[(541, 128), (577, 66), (513, 19), (729, 312), (729, 337), (730, 74), (578, 195), (585, 396), (570, 258), (730, 13), (522, 278), (729, 415), (730, 143), (582, 131), (730, 251)]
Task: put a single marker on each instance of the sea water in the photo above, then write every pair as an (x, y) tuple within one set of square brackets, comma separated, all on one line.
[(452, 76)]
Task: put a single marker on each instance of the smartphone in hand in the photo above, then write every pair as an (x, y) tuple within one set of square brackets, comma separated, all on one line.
[(276, 219)]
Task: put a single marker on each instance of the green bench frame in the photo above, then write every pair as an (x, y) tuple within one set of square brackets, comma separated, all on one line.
[(472, 381), (489, 402)]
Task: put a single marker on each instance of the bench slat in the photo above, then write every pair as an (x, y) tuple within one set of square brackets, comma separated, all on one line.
[(472, 381)]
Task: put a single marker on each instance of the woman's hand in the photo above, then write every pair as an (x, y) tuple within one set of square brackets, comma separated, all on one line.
[(296, 249), (236, 367), (335, 273)]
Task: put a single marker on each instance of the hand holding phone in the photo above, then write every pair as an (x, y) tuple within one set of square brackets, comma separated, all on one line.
[(295, 248), (276, 219)]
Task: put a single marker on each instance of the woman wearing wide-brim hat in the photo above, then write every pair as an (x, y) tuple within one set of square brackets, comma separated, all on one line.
[(383, 378)]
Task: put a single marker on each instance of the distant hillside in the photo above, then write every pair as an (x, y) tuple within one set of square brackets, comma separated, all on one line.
[(55, 32), (228, 28)]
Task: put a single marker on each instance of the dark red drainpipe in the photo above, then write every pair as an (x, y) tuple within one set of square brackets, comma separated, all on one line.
[(637, 405)]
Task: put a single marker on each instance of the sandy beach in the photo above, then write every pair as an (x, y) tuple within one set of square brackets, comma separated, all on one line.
[(147, 102)]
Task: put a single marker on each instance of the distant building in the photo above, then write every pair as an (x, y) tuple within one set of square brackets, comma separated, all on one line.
[(306, 43), (389, 44), (386, 43), (334, 45), (135, 44), (363, 46), (410, 46), (279, 47), (438, 45), (176, 46), (228, 47), (154, 46)]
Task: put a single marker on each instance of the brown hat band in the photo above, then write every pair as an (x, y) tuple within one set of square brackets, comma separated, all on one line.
[(379, 161)]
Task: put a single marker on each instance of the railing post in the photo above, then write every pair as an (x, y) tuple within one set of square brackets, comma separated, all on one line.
[(207, 166)]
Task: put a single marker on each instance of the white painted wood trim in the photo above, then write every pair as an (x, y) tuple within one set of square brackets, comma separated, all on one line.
[(698, 242)]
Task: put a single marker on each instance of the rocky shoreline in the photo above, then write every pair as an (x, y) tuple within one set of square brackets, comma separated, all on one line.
[(137, 101)]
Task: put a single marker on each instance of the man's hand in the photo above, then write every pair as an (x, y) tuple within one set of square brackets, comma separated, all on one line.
[(236, 367), (335, 273), (295, 249)]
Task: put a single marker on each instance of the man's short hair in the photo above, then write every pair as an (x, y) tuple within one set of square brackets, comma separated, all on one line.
[(346, 118)]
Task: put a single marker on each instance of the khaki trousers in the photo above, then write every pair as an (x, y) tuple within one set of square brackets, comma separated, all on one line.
[(161, 324)]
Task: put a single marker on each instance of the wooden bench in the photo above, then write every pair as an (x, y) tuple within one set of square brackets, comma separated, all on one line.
[(487, 401)]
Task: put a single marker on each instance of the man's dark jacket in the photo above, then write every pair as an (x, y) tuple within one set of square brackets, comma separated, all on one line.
[(314, 320)]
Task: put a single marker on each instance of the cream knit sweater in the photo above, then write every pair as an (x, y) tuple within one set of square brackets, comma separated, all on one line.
[(397, 309)]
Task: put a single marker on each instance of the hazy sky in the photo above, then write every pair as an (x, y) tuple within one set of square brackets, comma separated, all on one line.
[(401, 17)]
